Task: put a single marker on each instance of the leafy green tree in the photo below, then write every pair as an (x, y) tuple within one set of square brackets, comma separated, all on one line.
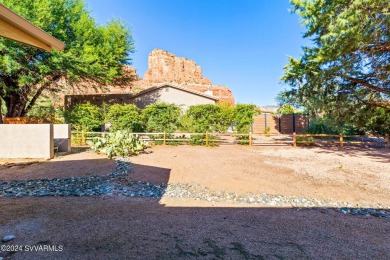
[(344, 73), (207, 118), (93, 52), (285, 109), (46, 111), (160, 117), (124, 117), (244, 117), (2, 108), (85, 116), (226, 116)]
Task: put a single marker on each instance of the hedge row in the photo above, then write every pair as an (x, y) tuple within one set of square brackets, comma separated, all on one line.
[(163, 117)]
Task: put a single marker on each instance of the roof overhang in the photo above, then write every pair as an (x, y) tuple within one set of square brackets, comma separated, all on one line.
[(176, 86), (15, 27)]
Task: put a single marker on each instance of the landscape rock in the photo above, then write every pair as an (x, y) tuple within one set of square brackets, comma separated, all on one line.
[(117, 184), (8, 238)]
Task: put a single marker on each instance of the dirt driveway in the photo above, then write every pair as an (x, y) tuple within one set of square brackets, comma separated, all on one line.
[(118, 227), (357, 176)]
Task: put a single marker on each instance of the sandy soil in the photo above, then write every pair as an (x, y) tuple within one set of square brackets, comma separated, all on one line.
[(81, 162), (125, 228), (141, 228), (356, 176)]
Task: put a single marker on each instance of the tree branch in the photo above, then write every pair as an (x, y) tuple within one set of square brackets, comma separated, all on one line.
[(39, 92), (376, 47), (366, 84), (384, 105)]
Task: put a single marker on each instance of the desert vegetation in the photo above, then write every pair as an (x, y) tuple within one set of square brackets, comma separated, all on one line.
[(163, 117), (342, 78)]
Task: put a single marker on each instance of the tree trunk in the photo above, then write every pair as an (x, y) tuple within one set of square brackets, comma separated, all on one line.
[(1, 114), (15, 104)]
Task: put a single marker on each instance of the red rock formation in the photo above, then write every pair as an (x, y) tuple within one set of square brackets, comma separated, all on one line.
[(166, 67), (162, 67), (223, 93)]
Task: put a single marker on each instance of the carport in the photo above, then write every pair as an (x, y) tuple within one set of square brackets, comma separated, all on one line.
[(15, 27), (28, 140)]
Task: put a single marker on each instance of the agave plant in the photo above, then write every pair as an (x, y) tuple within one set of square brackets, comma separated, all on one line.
[(119, 143)]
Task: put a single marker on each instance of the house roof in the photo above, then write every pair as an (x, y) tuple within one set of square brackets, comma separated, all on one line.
[(175, 86), (15, 27)]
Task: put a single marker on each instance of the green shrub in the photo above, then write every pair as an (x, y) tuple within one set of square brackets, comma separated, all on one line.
[(186, 123), (168, 136), (327, 126), (161, 117), (207, 118), (242, 139), (3, 107), (244, 117), (119, 143), (322, 126), (305, 140), (286, 109), (124, 117), (379, 123), (104, 109), (197, 139), (225, 118), (85, 116), (200, 139), (46, 111), (266, 131)]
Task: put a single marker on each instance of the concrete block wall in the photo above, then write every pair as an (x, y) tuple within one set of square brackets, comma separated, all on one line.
[(62, 133), (26, 141)]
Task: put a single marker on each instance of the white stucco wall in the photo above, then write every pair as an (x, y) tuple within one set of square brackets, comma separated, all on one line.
[(63, 133), (26, 141), (172, 96)]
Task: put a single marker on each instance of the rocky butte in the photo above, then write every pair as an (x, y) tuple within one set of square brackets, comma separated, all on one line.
[(166, 67), (162, 67)]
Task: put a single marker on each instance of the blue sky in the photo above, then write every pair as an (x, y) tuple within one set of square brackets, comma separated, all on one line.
[(242, 44)]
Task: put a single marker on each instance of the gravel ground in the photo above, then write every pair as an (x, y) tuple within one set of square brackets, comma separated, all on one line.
[(117, 184), (354, 176), (218, 208)]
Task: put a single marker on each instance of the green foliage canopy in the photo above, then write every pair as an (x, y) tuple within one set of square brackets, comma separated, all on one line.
[(161, 117), (93, 52), (244, 117), (207, 118), (124, 117), (285, 109), (345, 73), (46, 111), (85, 116)]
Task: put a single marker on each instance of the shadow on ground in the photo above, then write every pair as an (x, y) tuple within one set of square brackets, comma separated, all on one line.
[(119, 227), (379, 154)]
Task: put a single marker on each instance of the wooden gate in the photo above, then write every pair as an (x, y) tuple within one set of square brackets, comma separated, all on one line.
[(280, 124)]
